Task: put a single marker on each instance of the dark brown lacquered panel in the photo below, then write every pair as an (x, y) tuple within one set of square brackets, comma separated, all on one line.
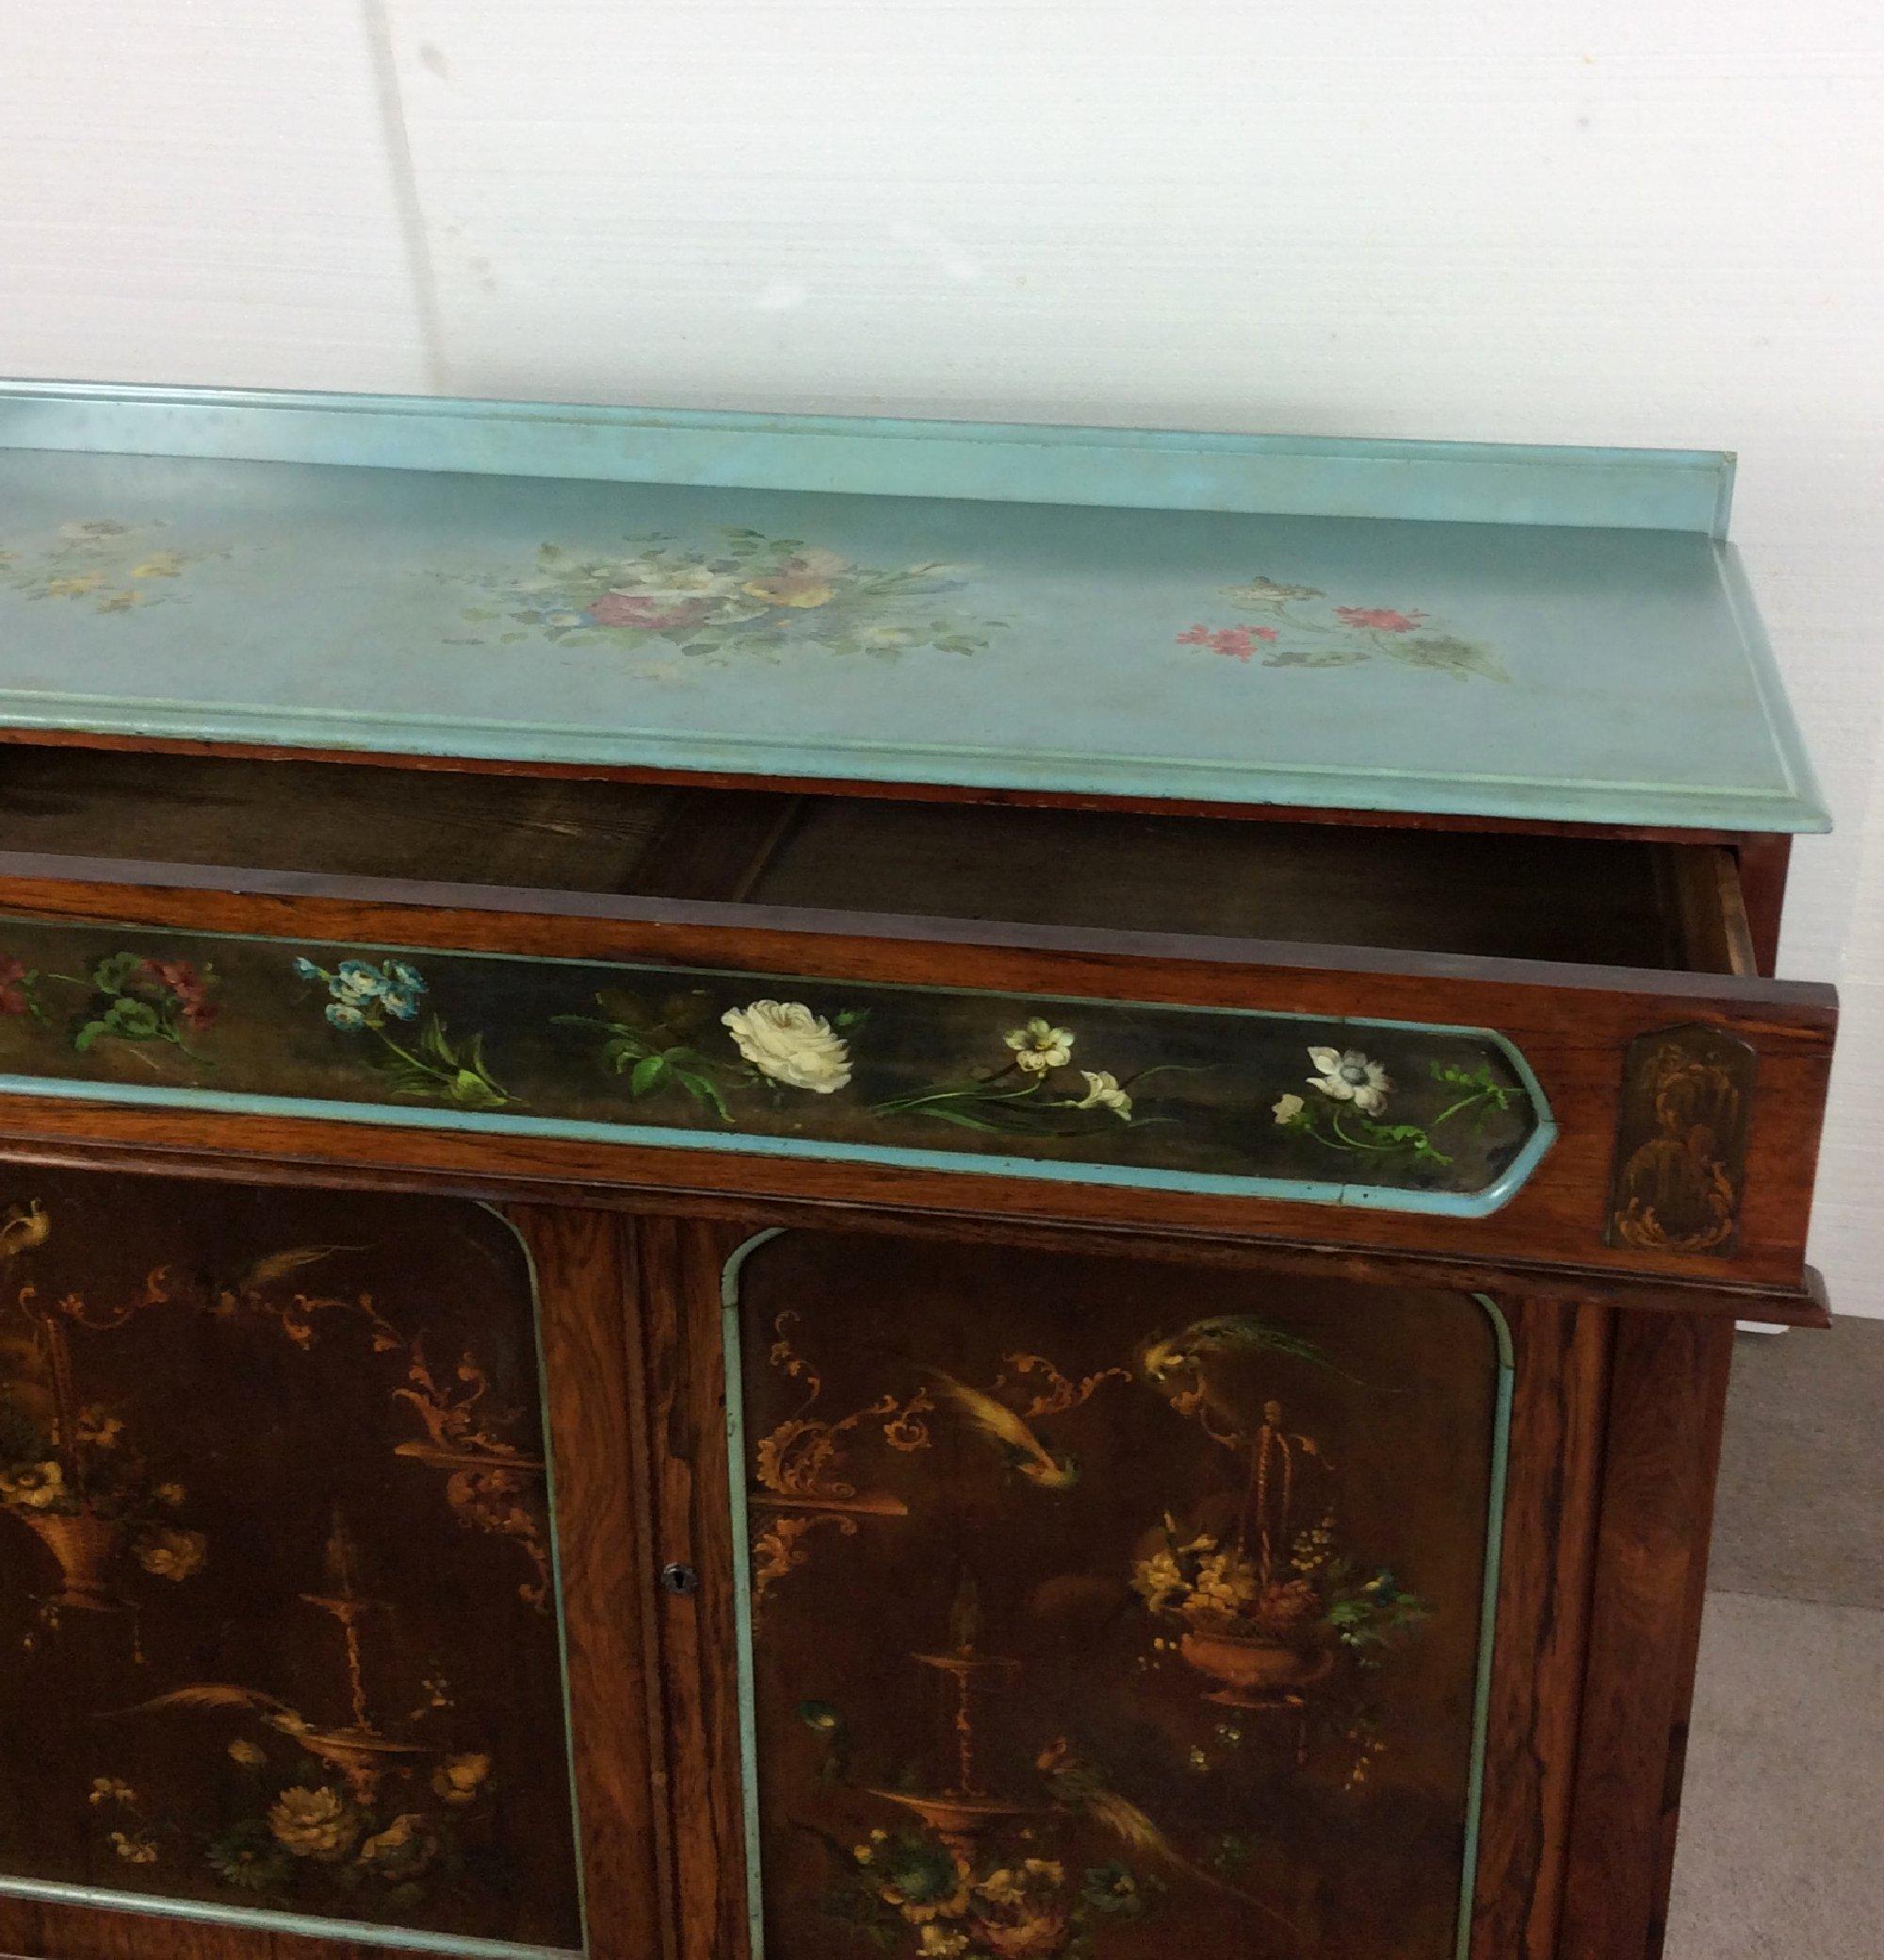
[(275, 1575), (1106, 1610)]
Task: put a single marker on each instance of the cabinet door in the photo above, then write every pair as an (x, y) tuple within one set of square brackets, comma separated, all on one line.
[(1097, 1609), (278, 1575)]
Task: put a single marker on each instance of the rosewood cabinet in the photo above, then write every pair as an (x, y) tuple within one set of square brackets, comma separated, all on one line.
[(779, 1190)]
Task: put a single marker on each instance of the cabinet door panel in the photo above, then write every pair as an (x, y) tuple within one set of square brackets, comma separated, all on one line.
[(1101, 1609), (276, 1580)]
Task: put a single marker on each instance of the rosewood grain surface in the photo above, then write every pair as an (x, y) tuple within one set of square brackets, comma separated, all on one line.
[(1561, 1353), (1668, 1396), (1110, 1608), (298, 1653), (592, 1364), (298, 1152), (677, 1265), (1764, 864), (593, 1361)]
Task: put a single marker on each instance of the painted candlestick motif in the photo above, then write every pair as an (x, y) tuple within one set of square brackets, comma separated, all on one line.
[(963, 1812), (387, 1806)]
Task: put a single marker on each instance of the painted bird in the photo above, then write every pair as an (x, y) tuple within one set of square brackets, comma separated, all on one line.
[(1020, 1448), (1230, 1334), (266, 1270), (825, 1721), (226, 1695), (1078, 1785), (23, 1227)]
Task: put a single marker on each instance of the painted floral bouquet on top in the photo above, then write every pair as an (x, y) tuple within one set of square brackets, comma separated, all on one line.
[(748, 595)]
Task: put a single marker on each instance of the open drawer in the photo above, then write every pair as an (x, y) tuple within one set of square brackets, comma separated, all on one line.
[(1509, 1046)]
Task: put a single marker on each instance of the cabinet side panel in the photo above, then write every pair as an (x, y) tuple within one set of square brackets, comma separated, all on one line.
[(1667, 1400)]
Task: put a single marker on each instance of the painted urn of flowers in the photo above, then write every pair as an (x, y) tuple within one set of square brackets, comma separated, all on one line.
[(1261, 1639), (1254, 1670), (1277, 1646)]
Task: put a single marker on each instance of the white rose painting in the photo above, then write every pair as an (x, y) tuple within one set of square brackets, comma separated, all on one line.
[(786, 1043)]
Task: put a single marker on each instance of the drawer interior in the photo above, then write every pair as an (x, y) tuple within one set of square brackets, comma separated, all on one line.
[(1611, 902)]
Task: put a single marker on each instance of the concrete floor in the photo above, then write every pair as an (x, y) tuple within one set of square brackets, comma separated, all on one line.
[(1782, 1826)]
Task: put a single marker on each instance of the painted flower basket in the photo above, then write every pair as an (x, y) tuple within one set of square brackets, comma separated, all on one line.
[(86, 1545)]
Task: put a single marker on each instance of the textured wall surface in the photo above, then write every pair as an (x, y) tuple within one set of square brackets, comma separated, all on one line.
[(1598, 222)]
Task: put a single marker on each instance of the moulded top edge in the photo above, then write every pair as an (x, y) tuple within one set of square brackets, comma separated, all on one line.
[(1494, 483)]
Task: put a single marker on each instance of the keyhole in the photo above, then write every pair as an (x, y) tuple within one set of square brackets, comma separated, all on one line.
[(679, 1580)]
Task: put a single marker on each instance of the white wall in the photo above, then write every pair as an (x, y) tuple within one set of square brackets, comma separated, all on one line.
[(1599, 221)]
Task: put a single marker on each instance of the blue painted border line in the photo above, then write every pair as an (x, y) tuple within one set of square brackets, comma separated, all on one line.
[(458, 1946), (402, 1116)]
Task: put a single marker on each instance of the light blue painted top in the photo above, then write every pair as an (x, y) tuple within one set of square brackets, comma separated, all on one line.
[(1550, 634)]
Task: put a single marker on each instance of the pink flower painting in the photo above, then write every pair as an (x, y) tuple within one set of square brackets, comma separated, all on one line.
[(1237, 642), (1301, 629), (16, 985), (1378, 618), (653, 615)]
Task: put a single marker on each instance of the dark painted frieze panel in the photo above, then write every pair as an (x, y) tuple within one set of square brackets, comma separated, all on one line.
[(1405, 1116)]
